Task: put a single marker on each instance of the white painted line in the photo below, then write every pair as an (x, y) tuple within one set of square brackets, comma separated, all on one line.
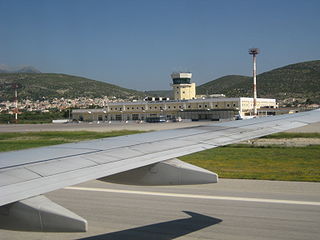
[(180, 195)]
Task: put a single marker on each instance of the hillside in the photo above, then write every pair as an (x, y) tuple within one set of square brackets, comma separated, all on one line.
[(231, 85), (160, 93), (51, 85), (23, 69), (300, 80)]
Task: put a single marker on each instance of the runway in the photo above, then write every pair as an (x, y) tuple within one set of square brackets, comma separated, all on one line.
[(231, 209), (116, 126), (98, 127)]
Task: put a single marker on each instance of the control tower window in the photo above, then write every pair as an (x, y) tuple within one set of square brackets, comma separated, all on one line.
[(181, 80)]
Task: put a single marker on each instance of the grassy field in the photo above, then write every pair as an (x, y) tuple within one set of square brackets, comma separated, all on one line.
[(233, 161), (292, 135), (16, 141), (264, 163)]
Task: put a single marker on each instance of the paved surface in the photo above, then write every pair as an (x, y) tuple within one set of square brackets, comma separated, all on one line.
[(231, 209), (103, 127), (315, 127)]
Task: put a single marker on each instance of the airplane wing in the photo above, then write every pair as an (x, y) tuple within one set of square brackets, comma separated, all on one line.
[(146, 159)]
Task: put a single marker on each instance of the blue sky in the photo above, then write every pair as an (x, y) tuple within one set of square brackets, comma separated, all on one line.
[(138, 43)]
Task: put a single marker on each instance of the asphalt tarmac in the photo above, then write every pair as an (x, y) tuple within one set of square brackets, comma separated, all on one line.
[(114, 126), (98, 127), (231, 209)]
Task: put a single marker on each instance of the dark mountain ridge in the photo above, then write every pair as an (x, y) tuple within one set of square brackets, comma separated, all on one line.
[(52, 85), (299, 80)]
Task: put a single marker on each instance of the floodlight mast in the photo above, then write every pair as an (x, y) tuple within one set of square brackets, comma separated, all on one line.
[(254, 52)]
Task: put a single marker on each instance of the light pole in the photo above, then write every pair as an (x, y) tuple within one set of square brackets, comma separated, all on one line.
[(254, 52), (15, 87)]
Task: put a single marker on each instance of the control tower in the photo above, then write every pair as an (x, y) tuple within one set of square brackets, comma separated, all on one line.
[(182, 87)]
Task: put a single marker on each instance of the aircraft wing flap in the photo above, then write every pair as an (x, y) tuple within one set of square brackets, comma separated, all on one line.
[(13, 176), (60, 166), (34, 155), (163, 145)]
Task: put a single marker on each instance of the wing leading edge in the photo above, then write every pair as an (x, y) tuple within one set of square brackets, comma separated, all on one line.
[(28, 173)]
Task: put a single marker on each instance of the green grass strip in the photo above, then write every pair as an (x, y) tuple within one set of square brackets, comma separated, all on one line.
[(17, 141), (292, 135), (264, 163)]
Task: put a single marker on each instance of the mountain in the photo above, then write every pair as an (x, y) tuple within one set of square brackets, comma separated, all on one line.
[(4, 68), (159, 93), (51, 85), (230, 85), (22, 69), (27, 69), (300, 81)]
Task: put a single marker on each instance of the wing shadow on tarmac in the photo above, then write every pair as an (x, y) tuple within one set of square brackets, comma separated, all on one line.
[(162, 231)]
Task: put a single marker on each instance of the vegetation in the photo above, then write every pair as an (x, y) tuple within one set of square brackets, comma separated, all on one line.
[(231, 86), (17, 141), (37, 86), (263, 163), (160, 93), (271, 162), (300, 80), (292, 135), (35, 117)]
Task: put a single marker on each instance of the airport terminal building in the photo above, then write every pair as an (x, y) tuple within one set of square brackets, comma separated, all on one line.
[(194, 109), (184, 106)]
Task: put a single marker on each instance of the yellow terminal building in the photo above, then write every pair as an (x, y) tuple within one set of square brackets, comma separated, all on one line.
[(185, 105)]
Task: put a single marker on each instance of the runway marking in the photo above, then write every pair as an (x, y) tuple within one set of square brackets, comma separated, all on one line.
[(181, 195)]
